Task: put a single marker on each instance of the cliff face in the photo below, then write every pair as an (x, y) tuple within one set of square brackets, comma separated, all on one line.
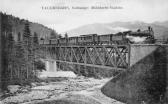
[(15, 25)]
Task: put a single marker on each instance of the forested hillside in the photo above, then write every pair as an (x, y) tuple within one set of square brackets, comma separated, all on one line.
[(17, 27), (19, 57)]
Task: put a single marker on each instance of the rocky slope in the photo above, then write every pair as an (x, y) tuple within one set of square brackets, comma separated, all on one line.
[(79, 90)]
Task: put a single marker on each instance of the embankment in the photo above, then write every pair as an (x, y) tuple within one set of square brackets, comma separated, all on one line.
[(146, 79)]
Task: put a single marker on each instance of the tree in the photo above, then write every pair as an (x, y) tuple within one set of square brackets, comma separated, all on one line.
[(39, 65), (28, 49), (53, 35), (20, 60), (35, 38), (66, 35), (26, 34), (9, 53), (59, 36), (19, 37), (35, 45)]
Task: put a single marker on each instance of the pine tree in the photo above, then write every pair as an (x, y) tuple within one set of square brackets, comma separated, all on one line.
[(35, 51), (10, 53), (28, 49), (19, 37), (66, 35), (20, 60), (53, 35), (35, 39), (35, 44), (26, 34), (6, 49)]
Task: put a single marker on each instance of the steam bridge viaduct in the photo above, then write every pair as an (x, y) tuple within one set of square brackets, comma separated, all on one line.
[(143, 67), (106, 56)]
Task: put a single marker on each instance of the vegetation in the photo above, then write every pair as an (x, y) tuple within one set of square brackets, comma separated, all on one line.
[(39, 65), (53, 35), (20, 58)]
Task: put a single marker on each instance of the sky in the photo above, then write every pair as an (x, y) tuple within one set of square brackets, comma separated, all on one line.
[(63, 20)]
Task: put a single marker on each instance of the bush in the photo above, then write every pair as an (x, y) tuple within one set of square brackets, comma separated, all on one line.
[(39, 65)]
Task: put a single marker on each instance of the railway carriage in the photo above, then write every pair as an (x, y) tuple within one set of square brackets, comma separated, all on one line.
[(126, 37), (73, 40), (47, 41), (62, 41), (119, 38), (53, 41), (88, 39), (104, 38), (80, 40)]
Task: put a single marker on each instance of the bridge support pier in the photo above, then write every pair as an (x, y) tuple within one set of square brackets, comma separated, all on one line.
[(145, 80), (51, 66)]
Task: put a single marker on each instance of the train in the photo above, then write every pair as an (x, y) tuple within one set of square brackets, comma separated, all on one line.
[(126, 37)]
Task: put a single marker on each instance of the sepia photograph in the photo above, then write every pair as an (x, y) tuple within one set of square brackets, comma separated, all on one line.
[(83, 51)]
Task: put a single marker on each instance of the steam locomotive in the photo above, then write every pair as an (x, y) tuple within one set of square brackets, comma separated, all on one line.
[(127, 37)]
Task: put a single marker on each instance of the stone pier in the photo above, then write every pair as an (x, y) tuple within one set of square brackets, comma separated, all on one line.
[(51, 66)]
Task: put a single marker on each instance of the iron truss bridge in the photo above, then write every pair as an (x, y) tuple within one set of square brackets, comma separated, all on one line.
[(114, 56)]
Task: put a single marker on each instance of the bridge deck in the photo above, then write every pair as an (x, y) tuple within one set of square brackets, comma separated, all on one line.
[(119, 57), (102, 56)]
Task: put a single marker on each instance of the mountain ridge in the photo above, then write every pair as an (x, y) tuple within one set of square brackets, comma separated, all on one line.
[(18, 25), (160, 28)]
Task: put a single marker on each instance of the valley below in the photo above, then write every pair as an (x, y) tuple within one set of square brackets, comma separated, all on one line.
[(79, 90)]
